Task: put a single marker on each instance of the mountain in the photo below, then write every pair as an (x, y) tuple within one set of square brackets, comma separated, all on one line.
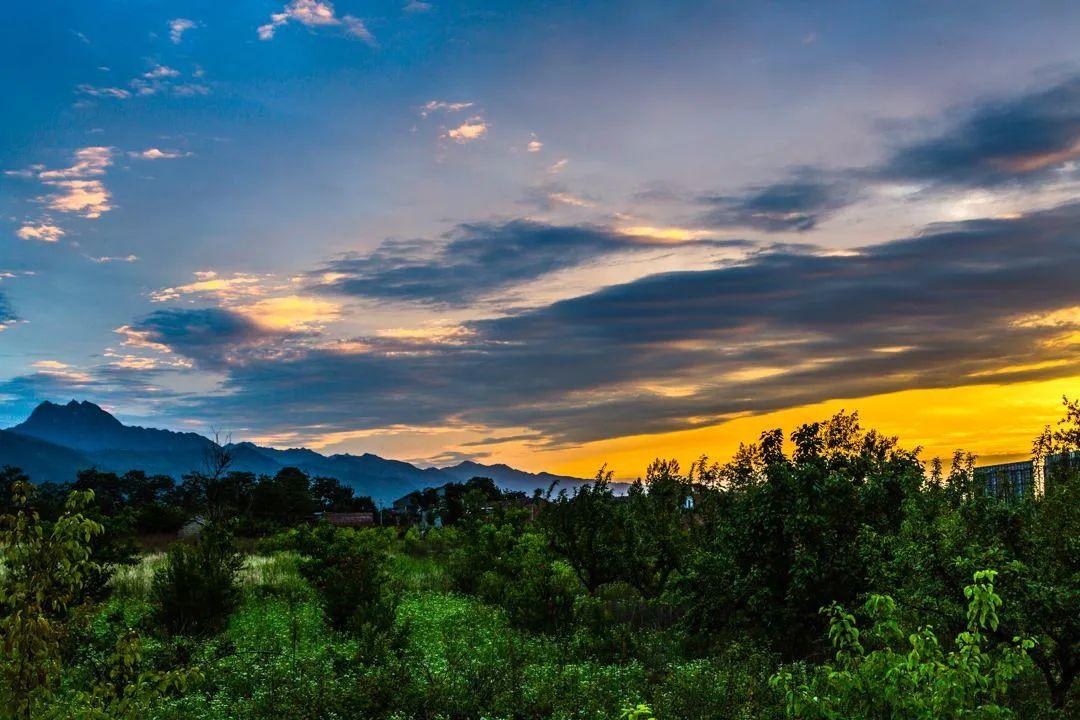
[(85, 426), (39, 459), (58, 440), (509, 478)]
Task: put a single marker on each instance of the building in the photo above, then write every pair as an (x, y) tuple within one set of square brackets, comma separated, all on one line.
[(350, 519), (1014, 479)]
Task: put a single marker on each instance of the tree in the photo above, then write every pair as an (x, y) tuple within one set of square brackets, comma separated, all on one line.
[(198, 586), (919, 682), (588, 529), (954, 528), (45, 569)]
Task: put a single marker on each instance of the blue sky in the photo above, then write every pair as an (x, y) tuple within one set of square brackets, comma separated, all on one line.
[(442, 229)]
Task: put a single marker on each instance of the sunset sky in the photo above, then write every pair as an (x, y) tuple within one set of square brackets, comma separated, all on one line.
[(552, 234)]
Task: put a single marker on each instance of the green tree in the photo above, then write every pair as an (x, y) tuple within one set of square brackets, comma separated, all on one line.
[(198, 585), (922, 681), (44, 569)]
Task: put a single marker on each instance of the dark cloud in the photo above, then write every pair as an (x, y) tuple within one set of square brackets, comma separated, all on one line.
[(206, 335), (1024, 140), (786, 327), (474, 261), (1019, 140), (796, 205)]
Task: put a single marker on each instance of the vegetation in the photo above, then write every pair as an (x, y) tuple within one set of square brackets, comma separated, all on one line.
[(711, 594)]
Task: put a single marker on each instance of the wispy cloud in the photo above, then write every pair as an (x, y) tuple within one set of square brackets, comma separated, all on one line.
[(177, 28), (417, 6), (433, 106), (88, 161), (103, 92), (77, 188), (209, 283), (315, 14), (104, 259), (88, 198), (472, 129), (158, 154), (44, 232), (534, 145)]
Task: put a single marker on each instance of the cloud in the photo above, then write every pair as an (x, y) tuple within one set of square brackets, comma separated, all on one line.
[(158, 72), (794, 205), (1028, 140), (177, 28), (472, 129), (88, 198), (475, 260), (314, 14), (558, 166), (89, 161), (433, 106), (105, 259), (210, 336), (156, 154), (787, 326), (1019, 140), (209, 283), (534, 145), (76, 189), (103, 92), (44, 231), (417, 6)]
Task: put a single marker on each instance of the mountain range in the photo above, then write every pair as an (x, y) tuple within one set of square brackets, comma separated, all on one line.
[(56, 441)]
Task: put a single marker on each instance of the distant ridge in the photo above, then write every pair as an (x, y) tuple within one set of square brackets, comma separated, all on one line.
[(57, 440)]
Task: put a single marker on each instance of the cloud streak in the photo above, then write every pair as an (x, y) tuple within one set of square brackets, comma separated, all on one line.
[(474, 261)]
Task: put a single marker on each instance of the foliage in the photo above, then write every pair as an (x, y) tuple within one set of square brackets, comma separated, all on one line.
[(198, 585), (44, 570), (351, 571), (126, 692), (925, 682)]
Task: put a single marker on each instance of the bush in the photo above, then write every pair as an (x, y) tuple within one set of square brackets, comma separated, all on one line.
[(198, 585), (350, 569)]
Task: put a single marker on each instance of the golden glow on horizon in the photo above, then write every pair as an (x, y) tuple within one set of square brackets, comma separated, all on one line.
[(997, 422)]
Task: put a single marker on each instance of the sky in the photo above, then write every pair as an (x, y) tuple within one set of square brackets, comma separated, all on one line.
[(552, 234)]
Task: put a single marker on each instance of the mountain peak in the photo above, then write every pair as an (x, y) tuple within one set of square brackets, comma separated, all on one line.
[(83, 415), (87, 427)]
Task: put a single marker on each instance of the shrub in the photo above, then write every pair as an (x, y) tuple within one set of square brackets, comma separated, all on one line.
[(350, 569), (44, 572), (198, 585), (923, 682)]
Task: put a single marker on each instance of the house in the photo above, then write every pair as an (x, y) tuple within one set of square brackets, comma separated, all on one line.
[(192, 529), (350, 519)]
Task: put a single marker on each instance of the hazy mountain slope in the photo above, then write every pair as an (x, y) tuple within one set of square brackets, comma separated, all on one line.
[(42, 461), (510, 478), (58, 440)]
